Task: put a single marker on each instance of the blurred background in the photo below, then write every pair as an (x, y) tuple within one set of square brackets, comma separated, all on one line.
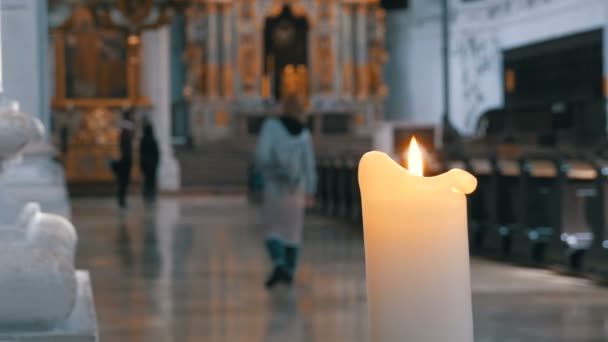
[(514, 91)]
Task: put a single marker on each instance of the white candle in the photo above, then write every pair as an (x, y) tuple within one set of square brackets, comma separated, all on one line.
[(416, 251)]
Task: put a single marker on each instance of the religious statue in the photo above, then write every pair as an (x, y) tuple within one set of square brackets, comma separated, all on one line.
[(37, 275)]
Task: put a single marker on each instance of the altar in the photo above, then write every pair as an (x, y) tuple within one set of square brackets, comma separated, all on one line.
[(245, 57)]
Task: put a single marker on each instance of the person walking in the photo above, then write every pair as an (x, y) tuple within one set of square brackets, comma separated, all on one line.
[(148, 162), (285, 157), (122, 167)]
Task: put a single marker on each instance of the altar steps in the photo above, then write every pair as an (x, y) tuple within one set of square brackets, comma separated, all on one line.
[(222, 166)]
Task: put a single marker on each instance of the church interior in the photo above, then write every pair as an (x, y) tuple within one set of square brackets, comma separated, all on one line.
[(304, 170)]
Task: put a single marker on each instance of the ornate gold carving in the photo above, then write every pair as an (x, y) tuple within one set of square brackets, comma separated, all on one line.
[(248, 62), (359, 120), (302, 83), (295, 82), (325, 63), (133, 66), (222, 119), (213, 73), (284, 34), (347, 79), (363, 81), (247, 10), (92, 148), (227, 81), (99, 103), (289, 86), (270, 64), (59, 67), (136, 11), (325, 9), (378, 58), (266, 89), (195, 78), (296, 8), (95, 78), (510, 80)]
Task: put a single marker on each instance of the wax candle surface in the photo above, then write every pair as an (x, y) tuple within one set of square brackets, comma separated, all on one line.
[(416, 252)]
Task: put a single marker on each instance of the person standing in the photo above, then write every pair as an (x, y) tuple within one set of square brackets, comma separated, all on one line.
[(148, 162), (122, 167), (285, 157)]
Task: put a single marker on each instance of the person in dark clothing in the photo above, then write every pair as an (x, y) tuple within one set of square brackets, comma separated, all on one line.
[(122, 167), (148, 163)]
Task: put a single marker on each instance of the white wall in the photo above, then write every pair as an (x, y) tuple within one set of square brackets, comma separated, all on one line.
[(479, 34), (24, 52), (413, 71)]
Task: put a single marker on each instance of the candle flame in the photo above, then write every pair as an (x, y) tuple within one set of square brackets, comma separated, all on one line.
[(414, 158)]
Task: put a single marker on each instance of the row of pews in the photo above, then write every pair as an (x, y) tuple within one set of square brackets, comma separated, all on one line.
[(542, 212), (533, 210)]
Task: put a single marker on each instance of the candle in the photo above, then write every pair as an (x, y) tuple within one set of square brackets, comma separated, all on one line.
[(416, 250)]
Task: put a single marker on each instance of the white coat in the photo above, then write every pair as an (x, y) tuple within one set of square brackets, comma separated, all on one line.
[(284, 205)]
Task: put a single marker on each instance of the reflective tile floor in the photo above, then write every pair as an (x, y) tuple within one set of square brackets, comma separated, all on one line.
[(192, 269)]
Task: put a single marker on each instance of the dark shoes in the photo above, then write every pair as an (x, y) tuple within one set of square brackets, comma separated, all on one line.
[(285, 258), (279, 275)]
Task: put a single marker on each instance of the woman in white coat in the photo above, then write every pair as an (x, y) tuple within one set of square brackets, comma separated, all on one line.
[(286, 159)]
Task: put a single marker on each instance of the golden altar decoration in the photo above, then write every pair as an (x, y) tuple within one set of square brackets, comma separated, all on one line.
[(244, 57), (97, 62), (93, 147)]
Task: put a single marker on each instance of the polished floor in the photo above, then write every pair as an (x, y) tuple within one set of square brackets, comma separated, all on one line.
[(192, 269)]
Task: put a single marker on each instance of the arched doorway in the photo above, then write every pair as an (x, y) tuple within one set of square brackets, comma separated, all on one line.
[(286, 52)]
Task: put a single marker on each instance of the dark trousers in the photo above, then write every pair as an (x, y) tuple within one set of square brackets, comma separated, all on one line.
[(123, 179), (149, 186)]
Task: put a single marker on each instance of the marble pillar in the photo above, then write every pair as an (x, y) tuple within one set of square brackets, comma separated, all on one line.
[(347, 51), (362, 51), (398, 103), (212, 51), (26, 80), (156, 85), (24, 54)]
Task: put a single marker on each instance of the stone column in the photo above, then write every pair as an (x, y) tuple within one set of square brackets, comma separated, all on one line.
[(227, 55), (25, 48), (361, 48), (397, 105), (156, 84), (212, 51), (26, 79), (347, 50)]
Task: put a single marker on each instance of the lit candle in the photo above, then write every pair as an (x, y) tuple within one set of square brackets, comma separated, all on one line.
[(416, 250)]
